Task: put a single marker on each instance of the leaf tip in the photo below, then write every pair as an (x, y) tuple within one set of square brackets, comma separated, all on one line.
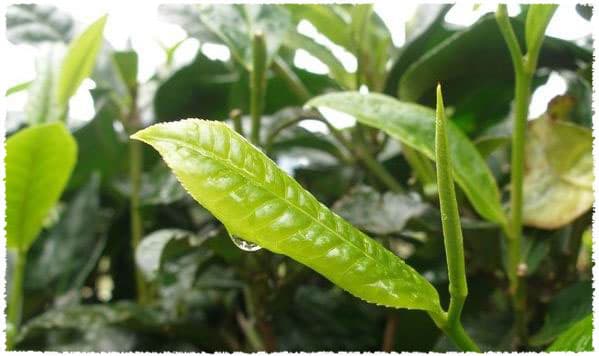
[(440, 105)]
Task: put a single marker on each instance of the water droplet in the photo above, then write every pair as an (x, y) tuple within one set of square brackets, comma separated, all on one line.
[(243, 244)]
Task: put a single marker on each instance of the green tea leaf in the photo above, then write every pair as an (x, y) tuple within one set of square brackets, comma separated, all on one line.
[(414, 125), (258, 202), (537, 20), (41, 100), (126, 64), (330, 20), (379, 213), (79, 61), (35, 24), (579, 337), (235, 25), (558, 181), (569, 306), (18, 88), (39, 161)]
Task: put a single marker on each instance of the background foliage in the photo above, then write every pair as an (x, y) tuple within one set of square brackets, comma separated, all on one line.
[(85, 272)]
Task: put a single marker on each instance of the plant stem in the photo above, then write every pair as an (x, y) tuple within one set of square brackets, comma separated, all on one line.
[(390, 331), (450, 219), (293, 81), (523, 71), (257, 85), (455, 332), (235, 115), (15, 303)]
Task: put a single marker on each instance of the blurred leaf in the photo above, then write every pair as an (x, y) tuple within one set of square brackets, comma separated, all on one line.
[(569, 306), (330, 20), (188, 17), (487, 144), (578, 338), (319, 319), (200, 151), (236, 25), (89, 321), (39, 161), (41, 94), (537, 20), (160, 186), (337, 72), (127, 63), (580, 91), (61, 259), (558, 180), (586, 11), (34, 24), (100, 148), (196, 90), (462, 61), (148, 253), (414, 125), (18, 88), (379, 213), (79, 61), (424, 31)]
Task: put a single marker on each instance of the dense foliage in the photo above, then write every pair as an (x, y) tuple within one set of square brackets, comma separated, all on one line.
[(108, 250)]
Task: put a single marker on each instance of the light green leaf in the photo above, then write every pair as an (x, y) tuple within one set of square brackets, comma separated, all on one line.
[(579, 337), (126, 64), (414, 125), (537, 20), (37, 23), (18, 88), (260, 203), (79, 61), (235, 25), (39, 161), (558, 181)]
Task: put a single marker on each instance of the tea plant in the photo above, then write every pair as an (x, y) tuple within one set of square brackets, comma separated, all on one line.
[(248, 230)]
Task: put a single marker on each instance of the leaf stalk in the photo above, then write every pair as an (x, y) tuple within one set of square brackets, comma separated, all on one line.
[(257, 85)]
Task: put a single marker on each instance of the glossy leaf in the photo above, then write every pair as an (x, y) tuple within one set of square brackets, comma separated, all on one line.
[(39, 161), (79, 61), (558, 181), (379, 213), (537, 20), (235, 25), (414, 125), (578, 338), (261, 204), (37, 23)]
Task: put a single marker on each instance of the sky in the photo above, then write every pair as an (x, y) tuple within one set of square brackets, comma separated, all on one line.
[(147, 32)]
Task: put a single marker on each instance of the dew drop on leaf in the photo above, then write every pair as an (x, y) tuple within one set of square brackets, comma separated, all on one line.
[(243, 244)]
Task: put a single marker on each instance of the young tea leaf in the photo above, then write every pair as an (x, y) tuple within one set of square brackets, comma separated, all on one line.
[(39, 161), (414, 125), (537, 20), (79, 61), (260, 203)]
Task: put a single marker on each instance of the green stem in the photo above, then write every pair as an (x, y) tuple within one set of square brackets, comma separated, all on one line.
[(523, 71), (455, 332), (15, 303), (450, 219), (293, 81), (257, 85)]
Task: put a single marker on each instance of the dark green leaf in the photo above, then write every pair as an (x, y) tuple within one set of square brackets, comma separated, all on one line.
[(379, 213), (569, 306), (63, 257), (148, 254), (414, 125)]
